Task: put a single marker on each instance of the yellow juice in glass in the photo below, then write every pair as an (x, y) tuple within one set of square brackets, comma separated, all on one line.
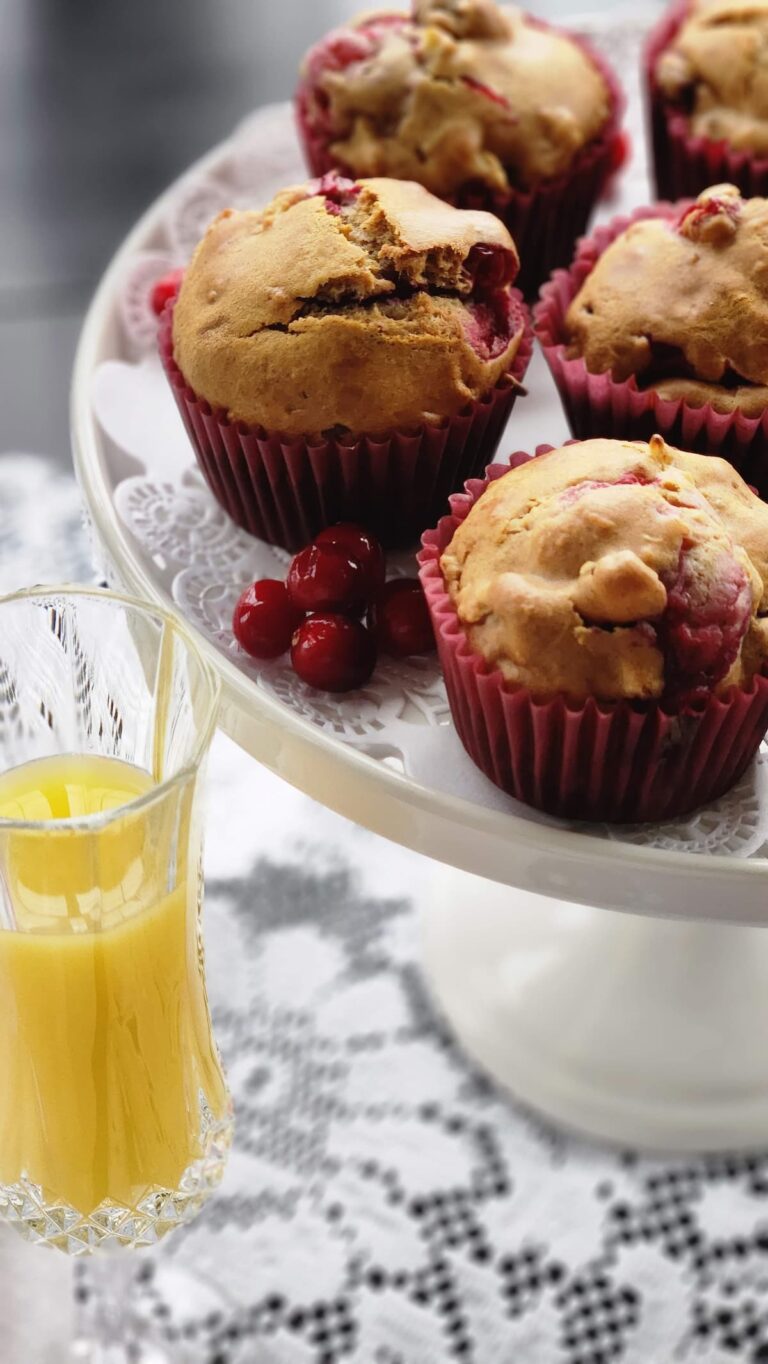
[(110, 1084)]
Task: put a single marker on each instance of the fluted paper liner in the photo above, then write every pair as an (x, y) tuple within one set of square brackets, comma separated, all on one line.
[(614, 761), (545, 221), (286, 489), (599, 405)]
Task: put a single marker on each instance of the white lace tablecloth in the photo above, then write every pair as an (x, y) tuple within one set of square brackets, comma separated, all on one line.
[(384, 1203)]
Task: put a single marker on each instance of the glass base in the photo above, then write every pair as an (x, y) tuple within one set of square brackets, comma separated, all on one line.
[(28, 1208)]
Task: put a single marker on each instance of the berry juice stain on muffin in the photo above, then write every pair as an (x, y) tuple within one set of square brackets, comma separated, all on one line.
[(364, 306), (460, 92), (682, 304), (617, 570), (716, 71)]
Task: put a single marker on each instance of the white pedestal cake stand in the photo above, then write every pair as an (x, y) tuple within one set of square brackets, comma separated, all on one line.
[(615, 979)]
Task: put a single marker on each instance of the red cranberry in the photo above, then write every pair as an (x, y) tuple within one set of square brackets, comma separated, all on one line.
[(359, 544), (335, 189), (347, 46), (265, 619), (637, 479), (344, 48), (490, 267), (325, 578), (333, 653), (401, 620), (489, 327), (480, 88), (704, 623), (164, 288)]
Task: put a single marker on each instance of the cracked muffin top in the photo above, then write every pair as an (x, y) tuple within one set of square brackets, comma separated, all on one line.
[(459, 92), (716, 70), (682, 303), (363, 306), (617, 570)]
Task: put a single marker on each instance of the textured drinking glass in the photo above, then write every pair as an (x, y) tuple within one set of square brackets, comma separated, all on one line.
[(115, 1119)]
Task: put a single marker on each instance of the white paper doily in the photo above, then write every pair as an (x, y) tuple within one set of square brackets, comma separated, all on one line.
[(203, 561)]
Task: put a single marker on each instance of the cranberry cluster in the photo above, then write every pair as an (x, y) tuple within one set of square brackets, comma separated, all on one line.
[(335, 612)]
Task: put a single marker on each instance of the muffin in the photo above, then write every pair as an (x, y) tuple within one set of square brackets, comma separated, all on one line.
[(601, 613), (350, 352), (485, 107), (661, 324), (707, 78)]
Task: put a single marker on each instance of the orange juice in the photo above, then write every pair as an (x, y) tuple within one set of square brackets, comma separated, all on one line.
[(109, 1072)]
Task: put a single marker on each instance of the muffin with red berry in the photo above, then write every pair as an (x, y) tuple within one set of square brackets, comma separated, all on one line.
[(601, 614), (707, 80), (661, 324), (350, 352), (484, 106)]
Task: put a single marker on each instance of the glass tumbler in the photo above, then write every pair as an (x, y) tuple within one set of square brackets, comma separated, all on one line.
[(115, 1120)]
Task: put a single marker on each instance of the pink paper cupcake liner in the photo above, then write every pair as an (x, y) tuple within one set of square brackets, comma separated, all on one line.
[(685, 165), (615, 761), (599, 405), (286, 489), (544, 222)]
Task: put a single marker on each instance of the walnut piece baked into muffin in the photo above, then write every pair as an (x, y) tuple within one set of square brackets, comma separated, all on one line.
[(615, 570), (364, 306), (681, 302), (352, 352), (478, 103)]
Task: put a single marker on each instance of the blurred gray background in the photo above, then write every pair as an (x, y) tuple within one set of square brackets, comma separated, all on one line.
[(102, 103)]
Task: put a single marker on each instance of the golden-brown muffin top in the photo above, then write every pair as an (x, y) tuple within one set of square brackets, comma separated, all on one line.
[(682, 302), (460, 92), (615, 569), (716, 68), (366, 306)]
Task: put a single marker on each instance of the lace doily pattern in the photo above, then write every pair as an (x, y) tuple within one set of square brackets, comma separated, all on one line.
[(203, 561), (387, 1204), (384, 1203), (735, 825)]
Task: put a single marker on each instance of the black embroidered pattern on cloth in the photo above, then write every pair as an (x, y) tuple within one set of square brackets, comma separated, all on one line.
[(384, 1203), (465, 1228)]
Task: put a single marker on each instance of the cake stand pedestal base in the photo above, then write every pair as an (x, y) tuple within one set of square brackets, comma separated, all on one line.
[(646, 1032)]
